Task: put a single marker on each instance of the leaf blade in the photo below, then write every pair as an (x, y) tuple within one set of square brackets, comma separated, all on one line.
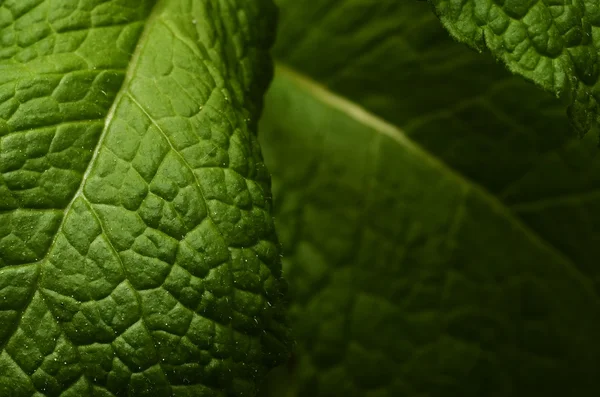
[(400, 287), (164, 275)]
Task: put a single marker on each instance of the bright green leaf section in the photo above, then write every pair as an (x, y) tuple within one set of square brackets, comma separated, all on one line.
[(490, 126), (552, 43), (407, 279), (137, 251)]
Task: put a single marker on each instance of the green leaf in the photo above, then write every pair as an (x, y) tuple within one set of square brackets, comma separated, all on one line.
[(552, 43), (137, 251), (395, 59), (406, 278), (352, 211)]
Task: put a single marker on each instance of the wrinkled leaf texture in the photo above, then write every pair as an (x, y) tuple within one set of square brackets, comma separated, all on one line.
[(137, 250)]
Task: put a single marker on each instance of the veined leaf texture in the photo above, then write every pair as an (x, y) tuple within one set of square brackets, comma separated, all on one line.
[(137, 249)]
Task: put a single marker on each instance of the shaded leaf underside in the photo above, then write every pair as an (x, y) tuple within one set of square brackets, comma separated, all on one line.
[(137, 251), (493, 128), (437, 248), (407, 279)]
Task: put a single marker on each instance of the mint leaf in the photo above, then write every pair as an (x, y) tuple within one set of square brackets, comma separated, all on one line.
[(508, 141), (137, 251), (406, 278), (552, 43)]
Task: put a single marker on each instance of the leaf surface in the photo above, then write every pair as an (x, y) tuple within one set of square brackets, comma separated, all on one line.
[(396, 60), (507, 141), (406, 278), (137, 251), (552, 43)]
